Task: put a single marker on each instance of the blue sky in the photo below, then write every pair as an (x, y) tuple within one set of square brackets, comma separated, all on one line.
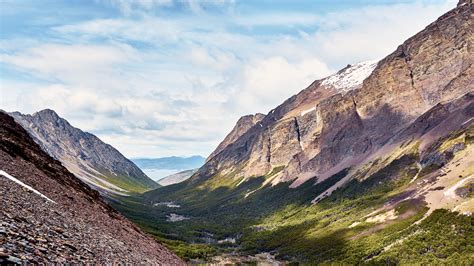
[(162, 77)]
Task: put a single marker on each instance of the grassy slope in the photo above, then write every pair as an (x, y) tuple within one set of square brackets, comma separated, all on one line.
[(280, 219), (131, 184)]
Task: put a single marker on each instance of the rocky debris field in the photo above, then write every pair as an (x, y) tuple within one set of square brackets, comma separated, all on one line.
[(77, 227), (30, 237), (33, 230)]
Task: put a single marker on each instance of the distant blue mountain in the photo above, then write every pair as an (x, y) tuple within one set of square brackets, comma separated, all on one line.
[(173, 162)]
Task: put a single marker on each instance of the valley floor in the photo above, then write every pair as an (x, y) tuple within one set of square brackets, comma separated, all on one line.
[(390, 211)]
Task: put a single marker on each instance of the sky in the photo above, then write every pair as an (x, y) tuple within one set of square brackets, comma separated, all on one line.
[(159, 78)]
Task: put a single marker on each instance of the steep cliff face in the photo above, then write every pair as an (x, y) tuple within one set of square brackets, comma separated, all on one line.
[(243, 125), (49, 216), (337, 122), (93, 161)]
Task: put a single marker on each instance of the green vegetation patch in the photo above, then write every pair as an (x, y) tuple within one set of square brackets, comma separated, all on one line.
[(445, 238), (125, 182), (282, 220)]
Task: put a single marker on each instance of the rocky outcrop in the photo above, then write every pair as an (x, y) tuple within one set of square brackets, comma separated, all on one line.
[(465, 2), (93, 161), (327, 127), (244, 124), (63, 221)]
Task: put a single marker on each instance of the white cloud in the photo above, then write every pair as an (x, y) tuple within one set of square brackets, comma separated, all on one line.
[(372, 31), (147, 29), (266, 82), (128, 7), (214, 59), (84, 65), (71, 100), (286, 19)]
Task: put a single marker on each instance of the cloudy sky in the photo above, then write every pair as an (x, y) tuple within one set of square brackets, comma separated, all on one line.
[(162, 77)]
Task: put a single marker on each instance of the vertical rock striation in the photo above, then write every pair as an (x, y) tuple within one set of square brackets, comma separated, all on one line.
[(337, 121)]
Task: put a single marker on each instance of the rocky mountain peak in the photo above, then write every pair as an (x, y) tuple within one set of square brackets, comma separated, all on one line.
[(350, 77), (91, 160), (46, 112), (244, 124), (250, 119), (45, 115)]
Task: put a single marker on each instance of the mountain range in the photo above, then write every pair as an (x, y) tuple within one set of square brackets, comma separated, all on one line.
[(170, 170), (172, 162), (91, 160)]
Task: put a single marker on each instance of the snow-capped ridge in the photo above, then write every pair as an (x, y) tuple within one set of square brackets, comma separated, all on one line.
[(350, 77)]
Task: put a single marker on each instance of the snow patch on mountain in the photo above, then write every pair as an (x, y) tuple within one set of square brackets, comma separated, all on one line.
[(308, 111), (350, 77), (5, 174)]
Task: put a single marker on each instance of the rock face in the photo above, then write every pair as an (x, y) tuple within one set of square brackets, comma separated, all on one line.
[(243, 125), (69, 222), (338, 121), (93, 161)]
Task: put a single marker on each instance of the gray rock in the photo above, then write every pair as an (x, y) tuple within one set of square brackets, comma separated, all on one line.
[(71, 145)]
